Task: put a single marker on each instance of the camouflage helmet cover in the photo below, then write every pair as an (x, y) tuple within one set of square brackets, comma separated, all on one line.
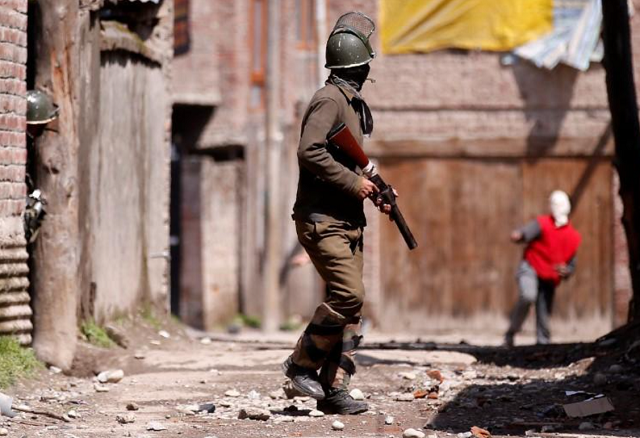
[(40, 108), (348, 45)]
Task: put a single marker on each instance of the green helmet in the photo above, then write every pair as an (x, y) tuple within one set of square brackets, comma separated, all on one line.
[(40, 108), (348, 45)]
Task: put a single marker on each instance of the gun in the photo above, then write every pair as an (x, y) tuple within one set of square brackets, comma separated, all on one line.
[(342, 137)]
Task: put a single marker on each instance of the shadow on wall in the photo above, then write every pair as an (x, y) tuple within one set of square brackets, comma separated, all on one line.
[(547, 99)]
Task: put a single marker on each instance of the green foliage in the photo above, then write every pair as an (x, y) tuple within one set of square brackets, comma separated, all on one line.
[(291, 324), (15, 361), (248, 320), (96, 335), (150, 317)]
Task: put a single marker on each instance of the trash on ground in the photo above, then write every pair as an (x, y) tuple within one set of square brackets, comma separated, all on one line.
[(588, 407)]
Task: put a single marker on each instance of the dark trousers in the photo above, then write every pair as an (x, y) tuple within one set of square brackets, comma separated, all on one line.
[(532, 290)]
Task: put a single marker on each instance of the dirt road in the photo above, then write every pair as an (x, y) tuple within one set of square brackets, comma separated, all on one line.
[(508, 392)]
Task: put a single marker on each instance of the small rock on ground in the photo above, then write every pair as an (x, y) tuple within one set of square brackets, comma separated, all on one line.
[(336, 425), (356, 394), (155, 426), (408, 375), (132, 407), (254, 414), (100, 388), (3, 431), (412, 433), (126, 419), (586, 426), (388, 420), (110, 376), (118, 335), (232, 393), (316, 413), (407, 397)]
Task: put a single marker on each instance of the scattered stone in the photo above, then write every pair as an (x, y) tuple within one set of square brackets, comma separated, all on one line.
[(479, 432), (155, 426), (209, 408), (586, 425), (389, 420), (616, 369), (232, 393), (436, 375), (253, 395), (254, 414), (205, 341), (464, 435), (110, 376), (72, 414), (164, 334), (100, 388), (55, 370), (126, 419), (600, 379), (277, 394), (187, 409), (316, 413), (356, 394), (336, 425), (154, 342), (118, 335), (132, 407), (226, 404), (420, 393), (412, 433), (406, 397), (407, 375), (139, 356), (3, 431)]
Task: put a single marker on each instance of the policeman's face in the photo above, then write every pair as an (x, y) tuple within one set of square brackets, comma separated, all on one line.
[(355, 74)]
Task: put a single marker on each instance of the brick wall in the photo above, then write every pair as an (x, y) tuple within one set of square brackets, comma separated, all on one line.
[(442, 105), (14, 299)]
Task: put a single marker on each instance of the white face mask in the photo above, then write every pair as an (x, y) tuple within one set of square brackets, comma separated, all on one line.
[(560, 207)]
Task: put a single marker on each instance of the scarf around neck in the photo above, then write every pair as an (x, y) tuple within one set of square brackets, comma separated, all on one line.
[(358, 103)]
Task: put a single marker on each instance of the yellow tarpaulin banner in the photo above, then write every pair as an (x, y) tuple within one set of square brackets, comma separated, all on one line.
[(427, 25)]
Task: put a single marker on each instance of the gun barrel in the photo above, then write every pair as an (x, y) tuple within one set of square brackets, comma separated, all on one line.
[(406, 233)]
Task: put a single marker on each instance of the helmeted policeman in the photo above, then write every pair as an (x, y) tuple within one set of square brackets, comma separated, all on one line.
[(329, 220), (40, 111)]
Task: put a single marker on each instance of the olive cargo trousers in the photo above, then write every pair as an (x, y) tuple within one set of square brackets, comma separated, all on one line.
[(330, 339)]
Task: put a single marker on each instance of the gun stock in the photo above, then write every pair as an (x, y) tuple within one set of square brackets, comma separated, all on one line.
[(342, 137)]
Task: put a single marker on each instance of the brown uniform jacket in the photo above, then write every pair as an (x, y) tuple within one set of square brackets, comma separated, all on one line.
[(329, 180)]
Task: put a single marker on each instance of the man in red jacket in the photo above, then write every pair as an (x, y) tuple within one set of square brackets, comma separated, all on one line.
[(549, 258)]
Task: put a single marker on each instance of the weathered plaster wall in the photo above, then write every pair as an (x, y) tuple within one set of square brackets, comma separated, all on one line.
[(211, 227), (128, 184), (15, 313)]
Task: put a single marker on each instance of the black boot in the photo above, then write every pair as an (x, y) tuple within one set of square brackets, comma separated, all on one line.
[(303, 379), (338, 401)]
